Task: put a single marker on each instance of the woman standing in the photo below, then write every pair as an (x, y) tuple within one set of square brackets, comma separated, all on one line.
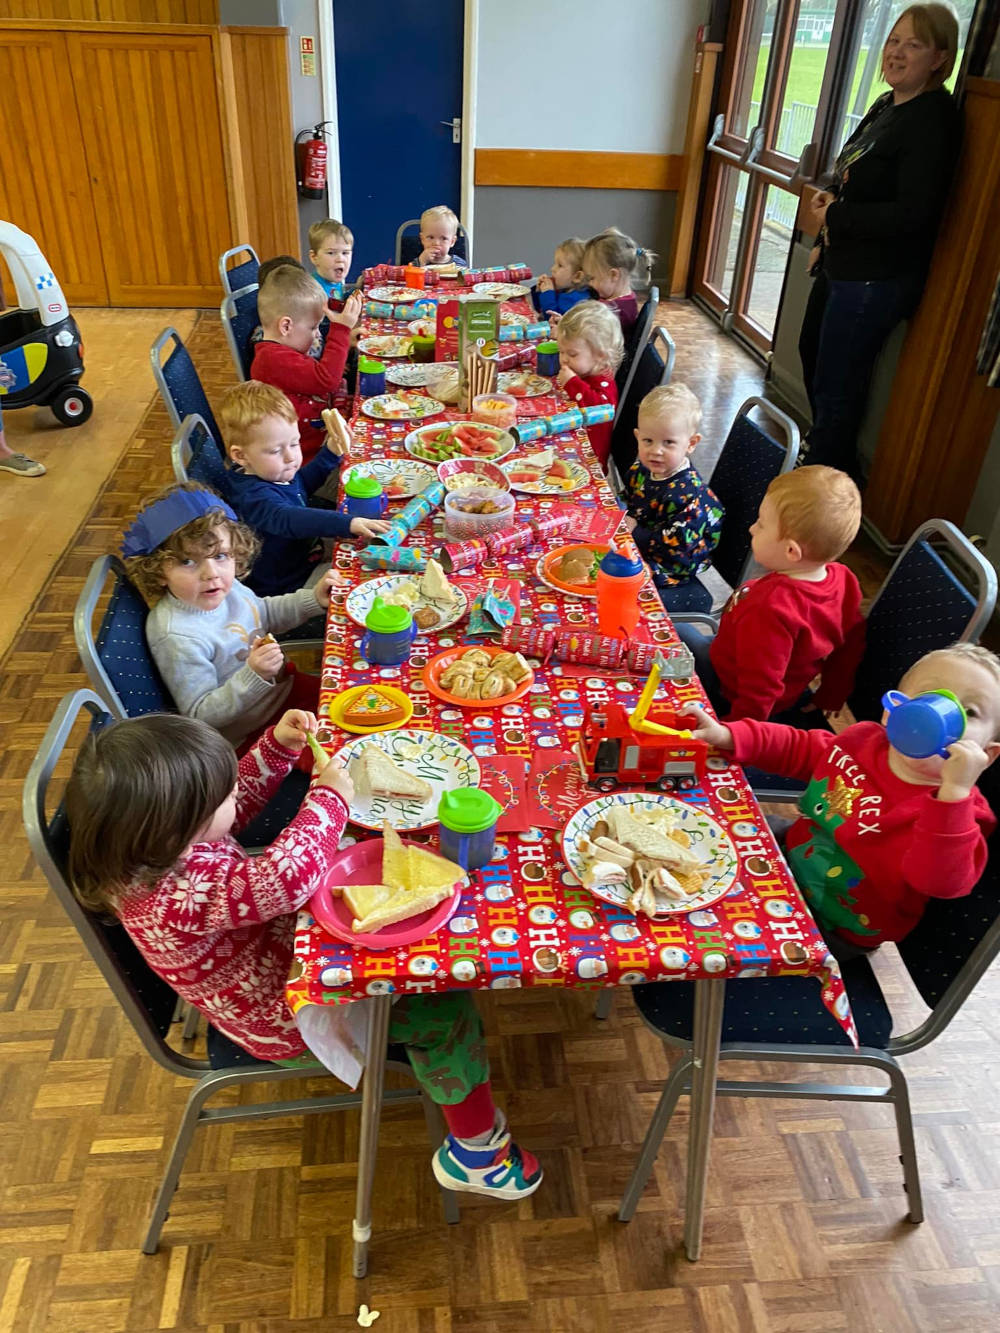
[(876, 226)]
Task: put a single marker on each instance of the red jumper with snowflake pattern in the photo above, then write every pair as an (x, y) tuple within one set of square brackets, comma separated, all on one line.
[(588, 391)]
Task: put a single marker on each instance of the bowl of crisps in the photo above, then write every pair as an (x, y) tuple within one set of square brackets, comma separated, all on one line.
[(476, 511)]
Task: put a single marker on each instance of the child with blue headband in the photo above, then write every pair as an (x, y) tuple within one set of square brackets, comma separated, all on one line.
[(210, 636)]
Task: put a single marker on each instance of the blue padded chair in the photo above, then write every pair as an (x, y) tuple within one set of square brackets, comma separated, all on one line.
[(782, 1019), (652, 368), (178, 382), (929, 599), (238, 313), (149, 1003), (195, 456), (121, 670), (233, 276), (408, 245), (635, 344)]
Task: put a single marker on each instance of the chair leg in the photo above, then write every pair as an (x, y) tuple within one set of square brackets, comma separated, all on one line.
[(604, 1002), (907, 1142), (185, 1132), (436, 1130), (191, 1020), (672, 1090)]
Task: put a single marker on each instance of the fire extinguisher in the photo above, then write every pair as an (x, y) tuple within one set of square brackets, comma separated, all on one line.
[(310, 161)]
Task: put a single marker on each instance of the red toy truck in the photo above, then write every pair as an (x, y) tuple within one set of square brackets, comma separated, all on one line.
[(613, 754)]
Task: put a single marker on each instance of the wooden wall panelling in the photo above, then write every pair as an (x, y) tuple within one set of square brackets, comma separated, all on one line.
[(696, 137), (115, 11), (573, 170), (937, 427), (254, 66), (44, 184), (151, 119)]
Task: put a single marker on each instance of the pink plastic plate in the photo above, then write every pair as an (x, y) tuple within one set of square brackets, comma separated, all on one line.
[(362, 864)]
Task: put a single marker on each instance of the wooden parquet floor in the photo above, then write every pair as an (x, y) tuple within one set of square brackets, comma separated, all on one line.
[(804, 1225)]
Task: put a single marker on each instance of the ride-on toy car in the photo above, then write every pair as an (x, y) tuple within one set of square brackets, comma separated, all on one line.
[(41, 356)]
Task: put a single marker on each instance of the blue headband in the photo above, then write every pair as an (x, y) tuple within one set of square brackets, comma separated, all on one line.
[(162, 519)]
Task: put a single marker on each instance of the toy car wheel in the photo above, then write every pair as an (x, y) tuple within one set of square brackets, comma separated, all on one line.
[(666, 784), (605, 784), (687, 784), (72, 406)]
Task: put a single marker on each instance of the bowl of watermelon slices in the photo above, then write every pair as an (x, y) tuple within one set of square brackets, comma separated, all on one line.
[(458, 439)]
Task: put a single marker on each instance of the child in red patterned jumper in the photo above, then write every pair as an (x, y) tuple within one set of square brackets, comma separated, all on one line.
[(151, 805), (880, 833), (590, 351), (803, 618)]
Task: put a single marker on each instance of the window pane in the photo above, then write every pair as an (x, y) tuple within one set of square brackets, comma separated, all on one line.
[(729, 220), (800, 97), (770, 259), (749, 82)]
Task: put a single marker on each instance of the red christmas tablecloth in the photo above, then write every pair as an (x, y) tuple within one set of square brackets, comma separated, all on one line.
[(525, 920)]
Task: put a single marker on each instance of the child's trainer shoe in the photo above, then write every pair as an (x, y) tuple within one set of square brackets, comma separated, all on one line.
[(498, 1168)]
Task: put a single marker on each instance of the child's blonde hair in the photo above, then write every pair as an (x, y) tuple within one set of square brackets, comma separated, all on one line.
[(290, 291), (599, 327), (197, 538), (611, 248), (672, 398), (246, 405), (572, 250), (140, 792), (818, 507), (319, 231), (972, 652), (440, 213)]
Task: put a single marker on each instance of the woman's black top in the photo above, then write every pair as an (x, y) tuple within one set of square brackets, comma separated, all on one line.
[(891, 180)]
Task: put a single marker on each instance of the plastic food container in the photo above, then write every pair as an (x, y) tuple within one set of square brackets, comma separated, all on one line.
[(463, 473), (461, 525), (495, 409)]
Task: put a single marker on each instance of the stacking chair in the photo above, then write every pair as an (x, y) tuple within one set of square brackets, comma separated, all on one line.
[(122, 673), (195, 457), (653, 367), (238, 313), (178, 382), (234, 276), (149, 1003), (635, 344), (408, 245), (925, 602), (782, 1019)]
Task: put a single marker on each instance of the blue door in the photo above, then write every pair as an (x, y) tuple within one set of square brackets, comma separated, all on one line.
[(399, 75)]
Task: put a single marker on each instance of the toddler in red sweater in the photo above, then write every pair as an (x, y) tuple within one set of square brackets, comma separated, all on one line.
[(290, 306), (151, 804), (880, 832), (800, 620), (591, 348)]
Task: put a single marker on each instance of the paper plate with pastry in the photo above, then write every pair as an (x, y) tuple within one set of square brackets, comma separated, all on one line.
[(435, 603), (367, 708), (401, 776), (401, 406), (480, 677), (384, 893), (545, 473), (386, 344), (572, 569), (415, 376), (651, 855), (400, 478), (500, 291)]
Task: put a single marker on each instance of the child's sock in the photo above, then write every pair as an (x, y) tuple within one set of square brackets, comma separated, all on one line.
[(473, 1119)]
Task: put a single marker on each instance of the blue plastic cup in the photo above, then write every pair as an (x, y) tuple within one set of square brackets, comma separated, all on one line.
[(548, 358), (924, 726), (389, 634), (467, 826)]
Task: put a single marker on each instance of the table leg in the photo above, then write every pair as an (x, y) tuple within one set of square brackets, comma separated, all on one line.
[(371, 1108), (709, 1001)]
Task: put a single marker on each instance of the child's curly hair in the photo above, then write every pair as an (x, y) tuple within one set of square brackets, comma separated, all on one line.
[(599, 327), (197, 538)]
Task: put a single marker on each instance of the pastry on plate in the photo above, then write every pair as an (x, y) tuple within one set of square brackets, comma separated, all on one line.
[(577, 566)]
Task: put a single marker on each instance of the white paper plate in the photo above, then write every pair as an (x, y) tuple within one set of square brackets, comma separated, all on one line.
[(359, 601), (444, 763), (500, 291), (580, 478), (409, 476), (708, 840), (397, 295), (381, 345), (534, 385), (412, 443), (418, 375), (401, 406)]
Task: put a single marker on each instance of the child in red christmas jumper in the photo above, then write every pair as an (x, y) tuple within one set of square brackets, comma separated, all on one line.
[(800, 620), (591, 348), (290, 307), (151, 805), (881, 832)]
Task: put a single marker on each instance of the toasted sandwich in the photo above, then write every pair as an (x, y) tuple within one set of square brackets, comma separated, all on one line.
[(374, 774)]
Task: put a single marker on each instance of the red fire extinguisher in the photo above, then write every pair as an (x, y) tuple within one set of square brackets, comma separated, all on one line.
[(310, 161)]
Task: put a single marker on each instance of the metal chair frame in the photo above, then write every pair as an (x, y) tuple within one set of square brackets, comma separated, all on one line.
[(415, 222), (228, 311), (666, 349), (224, 270), (181, 450), (156, 363), (643, 334), (207, 1081)]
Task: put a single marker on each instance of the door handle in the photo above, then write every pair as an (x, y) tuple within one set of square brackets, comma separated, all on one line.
[(455, 125)]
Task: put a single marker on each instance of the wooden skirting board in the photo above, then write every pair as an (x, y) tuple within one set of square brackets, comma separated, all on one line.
[(565, 170)]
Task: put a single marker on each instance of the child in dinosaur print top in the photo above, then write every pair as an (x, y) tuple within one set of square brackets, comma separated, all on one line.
[(674, 518), (879, 832)]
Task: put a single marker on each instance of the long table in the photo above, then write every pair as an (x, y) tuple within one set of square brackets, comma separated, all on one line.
[(525, 920)]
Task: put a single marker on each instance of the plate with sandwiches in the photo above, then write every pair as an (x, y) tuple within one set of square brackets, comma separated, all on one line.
[(648, 854), (482, 677), (435, 603), (401, 775), (367, 708), (384, 893)]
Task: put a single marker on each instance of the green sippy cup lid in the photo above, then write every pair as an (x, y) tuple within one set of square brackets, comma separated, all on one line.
[(386, 619), (360, 487), (468, 810)]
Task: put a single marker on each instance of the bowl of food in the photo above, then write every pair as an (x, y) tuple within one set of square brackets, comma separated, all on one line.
[(458, 439), (458, 474), (481, 677), (476, 511), (495, 409)]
